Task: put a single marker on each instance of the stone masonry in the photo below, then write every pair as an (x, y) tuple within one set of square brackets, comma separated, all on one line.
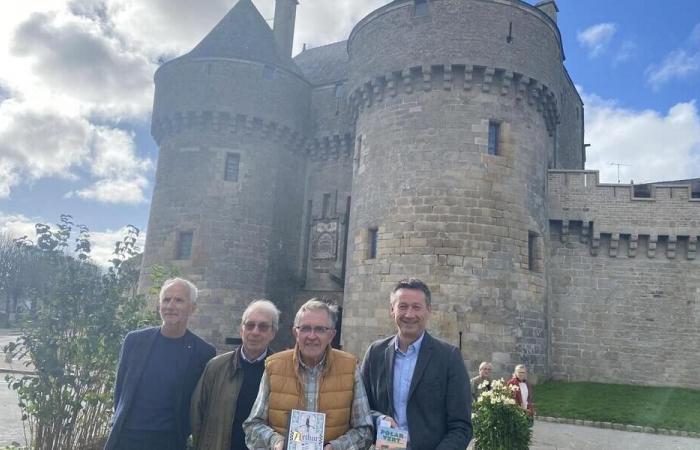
[(443, 142)]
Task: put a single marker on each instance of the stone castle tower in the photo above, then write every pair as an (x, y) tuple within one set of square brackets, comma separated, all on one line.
[(442, 140)]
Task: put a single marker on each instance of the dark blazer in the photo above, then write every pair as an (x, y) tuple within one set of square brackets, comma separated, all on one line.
[(439, 400), (135, 352)]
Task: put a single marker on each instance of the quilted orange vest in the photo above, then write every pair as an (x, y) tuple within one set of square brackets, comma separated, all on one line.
[(335, 391)]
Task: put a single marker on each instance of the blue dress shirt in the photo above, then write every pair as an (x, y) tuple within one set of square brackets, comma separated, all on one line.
[(404, 366)]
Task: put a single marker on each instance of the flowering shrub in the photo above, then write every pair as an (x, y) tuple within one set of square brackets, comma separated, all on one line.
[(499, 423)]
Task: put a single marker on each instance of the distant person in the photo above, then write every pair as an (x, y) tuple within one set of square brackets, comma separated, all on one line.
[(312, 377), (158, 369), (226, 392), (485, 369), (416, 382), (523, 396)]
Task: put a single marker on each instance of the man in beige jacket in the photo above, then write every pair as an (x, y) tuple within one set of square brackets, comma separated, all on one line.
[(226, 392)]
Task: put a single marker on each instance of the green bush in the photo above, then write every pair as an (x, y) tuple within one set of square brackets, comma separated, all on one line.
[(499, 423), (71, 335)]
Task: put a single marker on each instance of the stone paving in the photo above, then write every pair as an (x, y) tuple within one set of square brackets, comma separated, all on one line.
[(10, 418), (555, 436)]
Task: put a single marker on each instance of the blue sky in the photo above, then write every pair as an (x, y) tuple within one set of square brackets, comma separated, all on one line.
[(76, 91)]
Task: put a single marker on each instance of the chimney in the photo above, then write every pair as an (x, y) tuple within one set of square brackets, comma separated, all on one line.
[(283, 27), (548, 7)]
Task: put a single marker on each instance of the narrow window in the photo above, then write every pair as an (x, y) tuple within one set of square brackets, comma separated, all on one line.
[(494, 136), (233, 161), (339, 91), (532, 251), (339, 95), (420, 8), (326, 205), (358, 152), (184, 245), (372, 250), (268, 72)]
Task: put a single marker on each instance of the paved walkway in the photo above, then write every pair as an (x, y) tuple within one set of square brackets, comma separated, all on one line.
[(10, 416), (555, 436)]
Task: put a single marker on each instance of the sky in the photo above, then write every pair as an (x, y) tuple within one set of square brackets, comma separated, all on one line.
[(76, 91)]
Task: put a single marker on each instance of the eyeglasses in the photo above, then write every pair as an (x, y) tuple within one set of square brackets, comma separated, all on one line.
[(307, 329), (263, 327)]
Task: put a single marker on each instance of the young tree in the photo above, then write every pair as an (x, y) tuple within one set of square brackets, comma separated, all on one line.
[(72, 335)]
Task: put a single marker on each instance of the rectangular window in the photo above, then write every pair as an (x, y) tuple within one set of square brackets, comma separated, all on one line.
[(339, 90), (642, 190), (358, 152), (233, 161), (184, 245), (372, 238), (532, 251), (268, 72), (326, 205), (494, 137), (420, 8)]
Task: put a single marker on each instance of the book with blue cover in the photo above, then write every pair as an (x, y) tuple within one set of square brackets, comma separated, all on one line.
[(391, 438)]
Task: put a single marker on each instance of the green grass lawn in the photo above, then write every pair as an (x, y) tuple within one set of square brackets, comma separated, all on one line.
[(658, 407)]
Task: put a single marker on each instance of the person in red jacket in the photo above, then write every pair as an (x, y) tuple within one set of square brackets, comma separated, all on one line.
[(523, 395)]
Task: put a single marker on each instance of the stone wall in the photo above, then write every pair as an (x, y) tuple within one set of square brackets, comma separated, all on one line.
[(624, 293), (623, 316)]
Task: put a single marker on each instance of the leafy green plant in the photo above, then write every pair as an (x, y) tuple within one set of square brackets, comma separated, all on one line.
[(499, 423), (71, 336)]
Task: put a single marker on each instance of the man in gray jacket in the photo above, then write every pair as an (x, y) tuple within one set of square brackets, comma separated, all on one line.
[(229, 385), (417, 382)]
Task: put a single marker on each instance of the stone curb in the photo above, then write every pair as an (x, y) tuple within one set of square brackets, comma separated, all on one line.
[(619, 426)]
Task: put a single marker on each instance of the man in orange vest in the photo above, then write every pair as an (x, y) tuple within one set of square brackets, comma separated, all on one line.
[(312, 377)]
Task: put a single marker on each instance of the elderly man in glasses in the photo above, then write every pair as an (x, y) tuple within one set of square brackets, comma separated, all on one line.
[(312, 377), (228, 387)]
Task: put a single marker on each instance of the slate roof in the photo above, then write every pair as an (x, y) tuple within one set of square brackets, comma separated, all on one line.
[(324, 65), (244, 34)]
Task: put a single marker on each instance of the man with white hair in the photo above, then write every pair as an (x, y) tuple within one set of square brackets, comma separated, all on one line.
[(228, 387), (312, 377), (158, 369)]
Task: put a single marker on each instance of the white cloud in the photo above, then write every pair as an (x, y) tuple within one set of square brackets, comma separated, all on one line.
[(596, 38), (679, 64), (122, 175), (18, 225), (36, 143), (656, 146), (74, 58), (103, 242)]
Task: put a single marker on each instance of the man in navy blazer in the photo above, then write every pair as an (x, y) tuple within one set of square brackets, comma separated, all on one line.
[(417, 382), (158, 370)]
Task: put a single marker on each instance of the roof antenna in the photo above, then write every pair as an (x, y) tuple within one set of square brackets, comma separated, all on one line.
[(618, 169)]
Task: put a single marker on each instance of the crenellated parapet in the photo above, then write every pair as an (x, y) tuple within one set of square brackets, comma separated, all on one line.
[(620, 242), (616, 216), (231, 122), (331, 147), (458, 77)]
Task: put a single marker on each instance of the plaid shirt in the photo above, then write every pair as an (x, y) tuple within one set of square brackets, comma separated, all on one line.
[(260, 436)]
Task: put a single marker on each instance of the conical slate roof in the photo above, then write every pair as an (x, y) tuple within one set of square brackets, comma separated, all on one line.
[(243, 34)]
